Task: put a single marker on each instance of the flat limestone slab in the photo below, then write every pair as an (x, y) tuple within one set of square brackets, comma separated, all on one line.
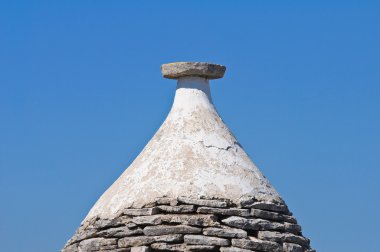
[(180, 69)]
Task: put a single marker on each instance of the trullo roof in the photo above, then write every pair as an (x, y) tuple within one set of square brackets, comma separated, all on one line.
[(192, 188), (192, 154)]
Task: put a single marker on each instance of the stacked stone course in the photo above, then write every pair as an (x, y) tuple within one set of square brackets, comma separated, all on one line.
[(186, 224)]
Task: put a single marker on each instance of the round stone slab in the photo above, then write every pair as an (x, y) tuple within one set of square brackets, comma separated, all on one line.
[(180, 69)]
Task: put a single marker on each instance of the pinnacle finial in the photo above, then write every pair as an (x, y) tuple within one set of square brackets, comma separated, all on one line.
[(180, 69)]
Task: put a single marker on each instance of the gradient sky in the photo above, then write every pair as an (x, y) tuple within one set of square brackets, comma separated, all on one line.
[(81, 93)]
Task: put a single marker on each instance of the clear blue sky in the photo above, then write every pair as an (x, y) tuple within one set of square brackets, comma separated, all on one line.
[(81, 93)]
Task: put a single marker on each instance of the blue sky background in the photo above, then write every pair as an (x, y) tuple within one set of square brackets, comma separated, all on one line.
[(81, 93)]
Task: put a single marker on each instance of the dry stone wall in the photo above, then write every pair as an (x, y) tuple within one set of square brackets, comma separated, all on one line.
[(186, 224)]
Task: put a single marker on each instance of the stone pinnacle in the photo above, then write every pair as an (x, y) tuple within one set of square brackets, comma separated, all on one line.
[(202, 69)]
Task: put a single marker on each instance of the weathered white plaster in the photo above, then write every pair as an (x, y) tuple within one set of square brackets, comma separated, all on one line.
[(193, 154)]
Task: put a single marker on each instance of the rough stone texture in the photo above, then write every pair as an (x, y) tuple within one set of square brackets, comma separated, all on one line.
[(201, 220), (225, 232), (290, 219), (146, 240), (95, 244), (163, 230), (234, 249), (270, 207), (143, 211), (120, 232), (252, 224), (292, 228), (181, 69), (300, 240), (148, 220), (202, 202), (136, 241), (256, 244), (141, 249), (177, 209), (98, 223), (83, 234), (167, 201), (71, 248), (205, 228), (181, 247), (227, 211), (243, 223), (131, 225), (205, 240), (270, 236), (262, 214), (289, 247)]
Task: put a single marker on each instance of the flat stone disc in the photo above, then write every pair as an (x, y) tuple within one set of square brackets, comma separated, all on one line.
[(180, 69)]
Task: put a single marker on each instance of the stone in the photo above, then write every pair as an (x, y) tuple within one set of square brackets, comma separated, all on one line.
[(140, 249), (201, 220), (202, 202), (300, 240), (223, 211), (234, 249), (150, 204), (262, 214), (167, 247), (82, 235), (243, 223), (252, 224), (188, 231), (290, 219), (268, 225), (246, 200), (131, 225), (148, 220), (177, 209), (167, 201), (289, 247), (111, 223), (225, 232), (164, 230), (270, 236), (120, 232), (95, 244), (199, 248), (181, 247), (256, 244), (292, 228), (269, 207), (179, 69), (142, 211), (70, 248), (134, 241), (205, 240), (169, 238)]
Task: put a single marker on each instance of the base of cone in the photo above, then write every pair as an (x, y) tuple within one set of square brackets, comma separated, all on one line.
[(186, 224)]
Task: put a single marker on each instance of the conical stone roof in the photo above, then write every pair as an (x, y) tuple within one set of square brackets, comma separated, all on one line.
[(193, 161)]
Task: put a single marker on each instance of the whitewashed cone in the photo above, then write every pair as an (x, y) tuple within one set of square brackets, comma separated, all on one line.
[(193, 153)]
